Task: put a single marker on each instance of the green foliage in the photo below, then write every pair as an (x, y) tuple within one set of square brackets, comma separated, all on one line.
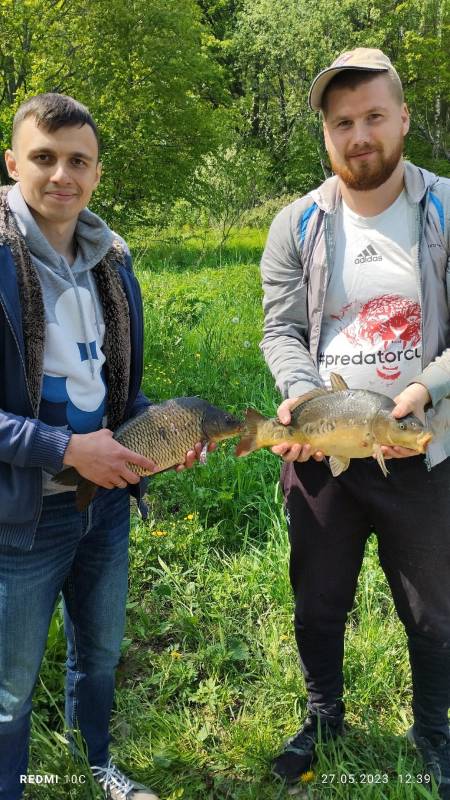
[(152, 83), (281, 47), (425, 65), (262, 216), (147, 75), (229, 182), (204, 102)]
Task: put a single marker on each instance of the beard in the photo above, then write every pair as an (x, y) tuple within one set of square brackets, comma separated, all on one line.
[(368, 176)]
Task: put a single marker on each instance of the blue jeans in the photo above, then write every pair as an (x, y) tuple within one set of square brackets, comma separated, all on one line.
[(84, 556)]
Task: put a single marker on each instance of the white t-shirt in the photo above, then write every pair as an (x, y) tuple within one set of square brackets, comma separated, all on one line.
[(371, 328)]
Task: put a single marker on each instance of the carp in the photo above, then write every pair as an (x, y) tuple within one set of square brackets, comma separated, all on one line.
[(163, 433), (342, 423)]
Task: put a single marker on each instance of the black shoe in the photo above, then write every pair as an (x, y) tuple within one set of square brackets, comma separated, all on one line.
[(299, 751), (435, 754)]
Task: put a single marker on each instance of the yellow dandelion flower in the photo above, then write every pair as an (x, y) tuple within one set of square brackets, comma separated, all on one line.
[(283, 637), (175, 654), (190, 516), (159, 533), (307, 776)]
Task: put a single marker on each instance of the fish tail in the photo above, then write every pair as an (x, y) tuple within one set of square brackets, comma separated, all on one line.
[(67, 477), (85, 494), (248, 442), (85, 489)]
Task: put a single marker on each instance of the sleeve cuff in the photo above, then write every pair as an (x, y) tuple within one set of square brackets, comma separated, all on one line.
[(437, 380), (300, 387), (49, 446)]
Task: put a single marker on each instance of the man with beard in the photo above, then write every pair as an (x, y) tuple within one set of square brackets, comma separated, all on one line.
[(374, 236)]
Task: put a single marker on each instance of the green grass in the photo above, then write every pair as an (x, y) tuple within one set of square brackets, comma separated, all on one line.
[(208, 685)]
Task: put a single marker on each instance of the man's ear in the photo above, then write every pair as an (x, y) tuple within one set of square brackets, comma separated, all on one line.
[(405, 119), (98, 173), (325, 132), (11, 164)]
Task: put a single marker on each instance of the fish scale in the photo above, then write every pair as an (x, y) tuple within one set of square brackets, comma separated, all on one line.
[(352, 410), (162, 433), (341, 423)]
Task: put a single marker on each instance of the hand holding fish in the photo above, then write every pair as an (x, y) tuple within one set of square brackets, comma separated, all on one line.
[(288, 451), (170, 435), (97, 456), (341, 423), (192, 456), (412, 400)]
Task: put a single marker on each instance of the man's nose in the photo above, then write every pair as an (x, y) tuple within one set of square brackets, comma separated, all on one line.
[(60, 173), (360, 132)]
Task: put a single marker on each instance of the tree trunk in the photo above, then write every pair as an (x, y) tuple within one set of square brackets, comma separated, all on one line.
[(437, 132), (256, 119)]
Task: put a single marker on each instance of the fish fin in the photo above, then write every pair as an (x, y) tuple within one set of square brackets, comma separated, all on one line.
[(203, 454), (85, 489), (253, 418), (67, 477), (380, 458), (248, 441), (85, 494), (308, 396), (337, 382), (338, 464)]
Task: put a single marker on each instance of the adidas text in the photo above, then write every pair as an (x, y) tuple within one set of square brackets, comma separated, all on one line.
[(367, 259), (367, 255)]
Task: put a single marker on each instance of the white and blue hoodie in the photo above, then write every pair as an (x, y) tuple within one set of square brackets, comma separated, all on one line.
[(73, 390)]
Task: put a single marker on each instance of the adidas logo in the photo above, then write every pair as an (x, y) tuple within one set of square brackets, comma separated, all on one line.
[(367, 255)]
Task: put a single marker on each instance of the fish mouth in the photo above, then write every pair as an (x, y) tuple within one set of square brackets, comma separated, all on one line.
[(423, 440), (220, 436)]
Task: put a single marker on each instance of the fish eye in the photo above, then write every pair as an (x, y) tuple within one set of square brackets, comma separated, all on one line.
[(402, 426)]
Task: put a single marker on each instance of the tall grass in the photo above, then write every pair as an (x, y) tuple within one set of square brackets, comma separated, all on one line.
[(208, 685)]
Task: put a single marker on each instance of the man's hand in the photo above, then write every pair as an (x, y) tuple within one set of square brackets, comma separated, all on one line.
[(288, 451), (193, 456), (412, 400), (99, 458)]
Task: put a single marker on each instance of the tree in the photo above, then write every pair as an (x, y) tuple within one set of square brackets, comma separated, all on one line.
[(151, 84), (424, 62), (146, 73), (230, 182), (281, 47)]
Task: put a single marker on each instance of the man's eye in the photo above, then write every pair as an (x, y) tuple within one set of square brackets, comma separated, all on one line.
[(78, 162), (42, 157), (344, 123)]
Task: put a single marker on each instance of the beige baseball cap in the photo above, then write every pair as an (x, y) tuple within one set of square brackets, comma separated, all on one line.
[(362, 58)]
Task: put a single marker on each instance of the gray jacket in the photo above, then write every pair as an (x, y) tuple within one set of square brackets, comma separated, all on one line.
[(294, 269)]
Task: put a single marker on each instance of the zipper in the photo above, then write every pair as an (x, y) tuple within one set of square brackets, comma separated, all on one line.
[(329, 253), (41, 502), (20, 355), (420, 228)]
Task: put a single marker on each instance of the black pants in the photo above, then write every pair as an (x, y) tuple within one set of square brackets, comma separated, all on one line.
[(329, 521)]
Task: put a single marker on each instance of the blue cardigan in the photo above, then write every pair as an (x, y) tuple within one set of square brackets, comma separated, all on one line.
[(28, 445)]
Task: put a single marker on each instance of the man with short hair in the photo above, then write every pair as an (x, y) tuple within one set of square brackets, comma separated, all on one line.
[(356, 279), (71, 343)]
